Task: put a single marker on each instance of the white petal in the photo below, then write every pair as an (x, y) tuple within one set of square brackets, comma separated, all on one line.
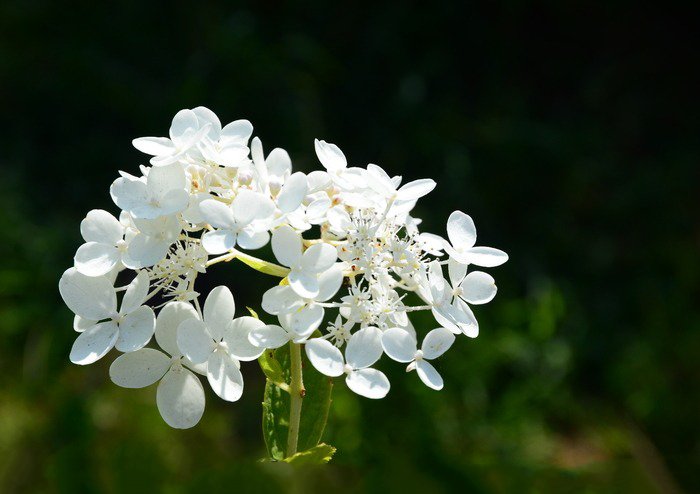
[(95, 259), (155, 146), (278, 162), (399, 344), (180, 399), (136, 329), (258, 157), (219, 309), (487, 257), (233, 155), (415, 190), (90, 297), (217, 214), (437, 342), (330, 155), (468, 323), (461, 230), (364, 348), (316, 211), (252, 241), (194, 341), (236, 338), (479, 288), (369, 383), (318, 258), (304, 284), (268, 336), (329, 282), (94, 343), (80, 324), (237, 131), (279, 299), (128, 193), (100, 226), (224, 376), (293, 192), (286, 245), (303, 322), (249, 206), (456, 271), (145, 251), (174, 201), (136, 293), (206, 116), (183, 121), (139, 369), (219, 241), (429, 375), (167, 322), (325, 357), (163, 179)]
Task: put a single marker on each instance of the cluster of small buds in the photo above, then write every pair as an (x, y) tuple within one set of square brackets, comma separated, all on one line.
[(210, 195)]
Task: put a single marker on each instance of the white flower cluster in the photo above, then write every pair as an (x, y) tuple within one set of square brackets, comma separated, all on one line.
[(208, 196)]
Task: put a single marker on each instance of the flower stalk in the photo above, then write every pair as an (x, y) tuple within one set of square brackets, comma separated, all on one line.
[(296, 396)]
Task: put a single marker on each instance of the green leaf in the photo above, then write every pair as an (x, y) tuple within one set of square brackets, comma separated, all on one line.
[(276, 404), (318, 455), (271, 367)]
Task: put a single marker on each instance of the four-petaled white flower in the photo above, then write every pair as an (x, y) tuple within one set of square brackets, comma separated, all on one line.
[(245, 222), (162, 192), (400, 345), (300, 316), (305, 266), (93, 298), (185, 133), (451, 311), (221, 341), (180, 395), (363, 349)]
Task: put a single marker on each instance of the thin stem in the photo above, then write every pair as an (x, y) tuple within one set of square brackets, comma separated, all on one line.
[(261, 265), (296, 396)]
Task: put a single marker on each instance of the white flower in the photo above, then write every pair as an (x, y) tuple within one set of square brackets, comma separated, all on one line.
[(221, 341), (226, 147), (305, 266), (363, 350), (95, 299), (152, 242), (180, 395), (185, 132), (162, 192), (244, 222), (304, 217), (335, 163), (299, 316), (105, 245), (389, 188), (449, 311), (401, 346), (462, 234)]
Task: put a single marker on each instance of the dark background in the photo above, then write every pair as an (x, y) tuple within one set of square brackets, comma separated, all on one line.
[(568, 130)]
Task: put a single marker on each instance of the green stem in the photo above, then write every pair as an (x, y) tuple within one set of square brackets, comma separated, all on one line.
[(296, 395)]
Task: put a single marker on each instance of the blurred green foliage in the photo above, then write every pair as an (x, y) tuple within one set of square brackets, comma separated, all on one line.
[(568, 130)]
